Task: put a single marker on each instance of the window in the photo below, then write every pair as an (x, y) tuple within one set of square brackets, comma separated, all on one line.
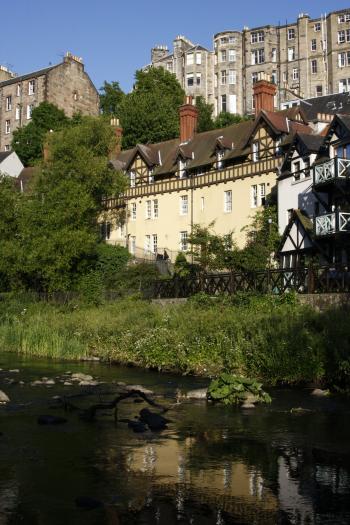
[(291, 54), (254, 196), (297, 170), (7, 147), (148, 209), (295, 73), (223, 40), (183, 241), (344, 85), (262, 194), (105, 230), (313, 44), (7, 126), (232, 39), (133, 211), (29, 111), (189, 59), (189, 77), (317, 27), (198, 58), (274, 77), (169, 66), (223, 55), (223, 103), (341, 37), (345, 17), (274, 54), (132, 245), (255, 151), (255, 77), (182, 169), (257, 36), (313, 66), (319, 91), (228, 201), (18, 90), (219, 156), (155, 209), (202, 203), (198, 79), (231, 55), (223, 77), (291, 33), (8, 103), (184, 205), (150, 176), (154, 243), (31, 87), (147, 243), (258, 56), (231, 76), (132, 177)]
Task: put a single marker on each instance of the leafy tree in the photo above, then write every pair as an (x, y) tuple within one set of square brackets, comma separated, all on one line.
[(111, 98), (262, 240), (205, 112), (150, 113), (28, 141), (58, 221), (225, 119)]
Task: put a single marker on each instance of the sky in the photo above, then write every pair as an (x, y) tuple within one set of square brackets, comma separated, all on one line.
[(115, 37)]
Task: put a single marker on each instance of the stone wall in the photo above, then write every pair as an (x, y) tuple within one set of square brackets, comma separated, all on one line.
[(324, 301)]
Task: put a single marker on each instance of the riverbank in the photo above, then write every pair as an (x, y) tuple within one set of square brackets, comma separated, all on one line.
[(274, 339)]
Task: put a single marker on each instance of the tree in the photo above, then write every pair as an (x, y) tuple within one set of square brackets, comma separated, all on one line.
[(58, 221), (111, 98), (150, 113), (225, 119), (205, 112), (28, 141)]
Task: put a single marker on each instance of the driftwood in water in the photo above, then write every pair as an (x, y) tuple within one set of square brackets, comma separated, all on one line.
[(89, 413)]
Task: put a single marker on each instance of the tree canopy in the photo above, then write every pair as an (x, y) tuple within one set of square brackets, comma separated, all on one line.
[(150, 113), (111, 98), (28, 141)]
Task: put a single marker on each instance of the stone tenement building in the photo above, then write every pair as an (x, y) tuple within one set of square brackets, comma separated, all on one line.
[(66, 85), (305, 59)]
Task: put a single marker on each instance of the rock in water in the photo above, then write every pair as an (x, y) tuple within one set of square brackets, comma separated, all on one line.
[(3, 397), (51, 420), (137, 426), (85, 502), (140, 388), (198, 393), (81, 377), (153, 421), (320, 393)]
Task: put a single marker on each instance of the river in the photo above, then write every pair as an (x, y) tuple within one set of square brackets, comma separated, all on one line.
[(213, 465)]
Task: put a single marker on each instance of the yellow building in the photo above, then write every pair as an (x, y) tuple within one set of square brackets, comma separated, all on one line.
[(222, 176)]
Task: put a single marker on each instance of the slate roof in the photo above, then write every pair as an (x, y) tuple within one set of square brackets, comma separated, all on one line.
[(27, 76), (329, 104), (4, 155)]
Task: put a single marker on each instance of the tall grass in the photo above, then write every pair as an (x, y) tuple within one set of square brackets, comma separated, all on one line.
[(260, 337)]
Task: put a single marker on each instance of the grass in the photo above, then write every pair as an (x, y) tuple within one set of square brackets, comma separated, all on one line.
[(273, 339)]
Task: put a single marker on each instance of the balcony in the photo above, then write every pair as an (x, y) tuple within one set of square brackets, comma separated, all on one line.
[(331, 171), (332, 223)]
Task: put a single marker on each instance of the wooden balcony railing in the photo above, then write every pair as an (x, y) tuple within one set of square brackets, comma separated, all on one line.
[(331, 223), (331, 170)]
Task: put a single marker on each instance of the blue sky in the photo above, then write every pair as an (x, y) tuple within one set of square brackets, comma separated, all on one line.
[(115, 37)]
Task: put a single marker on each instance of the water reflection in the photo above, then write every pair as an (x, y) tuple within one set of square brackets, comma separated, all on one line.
[(214, 466)]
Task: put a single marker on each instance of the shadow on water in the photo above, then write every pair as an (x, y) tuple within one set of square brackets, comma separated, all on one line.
[(212, 466)]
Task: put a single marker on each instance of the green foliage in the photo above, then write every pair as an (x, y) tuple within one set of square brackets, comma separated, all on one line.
[(28, 141), (182, 268), (225, 119), (232, 389), (205, 112), (150, 113), (111, 98), (111, 262)]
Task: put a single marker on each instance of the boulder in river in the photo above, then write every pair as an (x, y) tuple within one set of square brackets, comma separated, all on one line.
[(81, 377), (153, 421), (320, 393), (3, 398), (140, 388), (198, 393)]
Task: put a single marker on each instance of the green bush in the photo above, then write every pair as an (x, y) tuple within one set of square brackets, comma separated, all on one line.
[(230, 389)]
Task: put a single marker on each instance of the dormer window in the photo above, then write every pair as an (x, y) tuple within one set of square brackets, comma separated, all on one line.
[(182, 169), (132, 177), (256, 151), (150, 176), (219, 157)]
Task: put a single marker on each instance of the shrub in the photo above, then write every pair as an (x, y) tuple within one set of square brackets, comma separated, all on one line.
[(231, 389)]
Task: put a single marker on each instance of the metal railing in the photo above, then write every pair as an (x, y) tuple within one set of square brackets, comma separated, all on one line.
[(331, 223), (331, 170), (313, 280)]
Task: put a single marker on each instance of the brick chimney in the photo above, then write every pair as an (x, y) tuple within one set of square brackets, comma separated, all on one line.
[(264, 95), (118, 130), (188, 120)]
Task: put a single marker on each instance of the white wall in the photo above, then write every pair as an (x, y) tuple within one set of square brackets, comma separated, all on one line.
[(11, 165)]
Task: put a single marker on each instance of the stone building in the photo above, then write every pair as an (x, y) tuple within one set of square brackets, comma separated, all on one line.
[(307, 58), (66, 85)]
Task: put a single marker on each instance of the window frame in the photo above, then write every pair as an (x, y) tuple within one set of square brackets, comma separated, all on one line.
[(228, 201)]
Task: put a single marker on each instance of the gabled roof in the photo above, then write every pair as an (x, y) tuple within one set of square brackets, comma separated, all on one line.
[(304, 144), (20, 78), (298, 218), (4, 155)]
